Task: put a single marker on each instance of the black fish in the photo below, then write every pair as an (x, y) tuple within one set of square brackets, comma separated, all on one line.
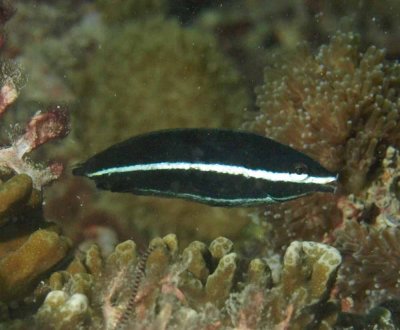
[(211, 166)]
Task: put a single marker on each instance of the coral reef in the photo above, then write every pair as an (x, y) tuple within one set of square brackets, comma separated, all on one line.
[(338, 106), (368, 239), (301, 297), (322, 262), (250, 30), (42, 127), (311, 218), (201, 288), (60, 311), (84, 59), (341, 106), (29, 247)]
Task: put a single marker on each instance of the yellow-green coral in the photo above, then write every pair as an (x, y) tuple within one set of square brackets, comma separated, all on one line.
[(219, 283), (15, 194), (307, 274), (20, 269), (191, 290)]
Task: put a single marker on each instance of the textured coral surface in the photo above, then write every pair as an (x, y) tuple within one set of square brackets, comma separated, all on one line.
[(200, 288), (339, 106)]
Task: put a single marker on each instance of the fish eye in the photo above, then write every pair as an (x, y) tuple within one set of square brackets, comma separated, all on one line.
[(300, 168)]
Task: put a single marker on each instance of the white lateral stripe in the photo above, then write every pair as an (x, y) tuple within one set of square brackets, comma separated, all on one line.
[(218, 168), (220, 201)]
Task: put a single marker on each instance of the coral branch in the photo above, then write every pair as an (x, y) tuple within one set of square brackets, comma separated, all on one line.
[(130, 306), (42, 128), (8, 94)]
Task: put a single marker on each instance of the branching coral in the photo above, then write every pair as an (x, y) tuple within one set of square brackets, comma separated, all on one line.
[(27, 252), (299, 299), (198, 289), (42, 128), (29, 247), (117, 319), (338, 106)]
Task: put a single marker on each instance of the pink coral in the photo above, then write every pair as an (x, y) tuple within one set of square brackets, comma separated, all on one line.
[(8, 94), (43, 127)]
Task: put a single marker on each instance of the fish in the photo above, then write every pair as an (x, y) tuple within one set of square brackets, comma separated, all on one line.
[(217, 167)]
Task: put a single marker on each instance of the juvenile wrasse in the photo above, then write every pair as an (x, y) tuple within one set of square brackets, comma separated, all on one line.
[(212, 166)]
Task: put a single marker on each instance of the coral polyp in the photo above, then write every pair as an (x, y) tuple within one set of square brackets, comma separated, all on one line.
[(339, 106)]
